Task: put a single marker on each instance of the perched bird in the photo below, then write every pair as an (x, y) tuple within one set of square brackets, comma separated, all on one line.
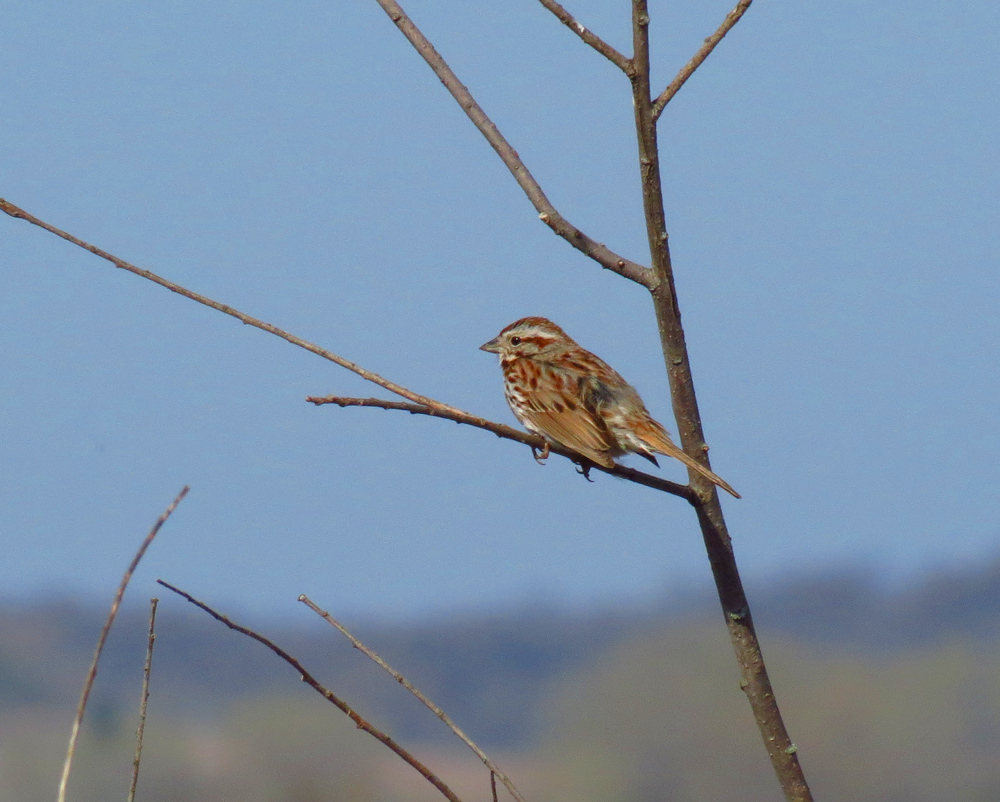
[(574, 399)]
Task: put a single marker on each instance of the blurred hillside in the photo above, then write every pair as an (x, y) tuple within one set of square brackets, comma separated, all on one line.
[(890, 695)]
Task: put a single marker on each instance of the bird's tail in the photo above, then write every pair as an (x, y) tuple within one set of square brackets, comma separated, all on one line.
[(665, 446)]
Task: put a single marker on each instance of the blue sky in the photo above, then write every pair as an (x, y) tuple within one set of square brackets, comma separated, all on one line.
[(831, 186)]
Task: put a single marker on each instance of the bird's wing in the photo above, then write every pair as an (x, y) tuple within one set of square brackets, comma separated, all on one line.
[(566, 421)]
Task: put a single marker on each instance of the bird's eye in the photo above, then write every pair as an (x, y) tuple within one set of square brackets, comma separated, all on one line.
[(515, 340)]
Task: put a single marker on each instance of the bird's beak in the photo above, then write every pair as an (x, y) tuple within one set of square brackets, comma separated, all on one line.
[(493, 346)]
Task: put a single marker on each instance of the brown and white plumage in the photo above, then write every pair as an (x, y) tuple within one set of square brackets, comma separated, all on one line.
[(574, 399)]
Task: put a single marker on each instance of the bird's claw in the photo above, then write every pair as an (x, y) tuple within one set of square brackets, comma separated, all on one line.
[(583, 468), (540, 457)]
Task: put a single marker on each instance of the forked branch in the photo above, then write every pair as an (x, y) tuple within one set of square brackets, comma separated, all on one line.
[(330, 696), (703, 52), (546, 211)]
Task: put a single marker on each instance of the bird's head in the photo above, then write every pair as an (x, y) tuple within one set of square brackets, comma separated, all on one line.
[(528, 337)]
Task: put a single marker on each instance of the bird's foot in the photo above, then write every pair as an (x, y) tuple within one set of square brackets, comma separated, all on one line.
[(540, 457)]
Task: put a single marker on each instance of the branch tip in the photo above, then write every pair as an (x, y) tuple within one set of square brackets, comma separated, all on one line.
[(696, 61)]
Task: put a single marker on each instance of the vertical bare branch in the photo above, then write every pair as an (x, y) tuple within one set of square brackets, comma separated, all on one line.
[(145, 698), (92, 673), (754, 679), (495, 772), (703, 52)]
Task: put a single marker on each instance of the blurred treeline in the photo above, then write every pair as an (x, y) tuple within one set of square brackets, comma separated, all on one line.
[(891, 695)]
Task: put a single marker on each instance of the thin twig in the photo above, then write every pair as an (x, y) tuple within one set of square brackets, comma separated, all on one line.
[(493, 785), (624, 63), (92, 673), (688, 70), (311, 681), (145, 698), (546, 211), (437, 711), (17, 212), (509, 433)]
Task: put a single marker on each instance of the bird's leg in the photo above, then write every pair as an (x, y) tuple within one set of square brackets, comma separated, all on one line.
[(540, 457), (583, 468)]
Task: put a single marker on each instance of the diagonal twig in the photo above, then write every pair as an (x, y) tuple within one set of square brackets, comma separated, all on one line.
[(92, 673), (623, 62), (509, 433), (329, 695), (145, 698), (392, 387), (546, 211), (495, 773), (703, 52)]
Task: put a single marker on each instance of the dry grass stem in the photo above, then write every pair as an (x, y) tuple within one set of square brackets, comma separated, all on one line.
[(92, 673), (495, 772), (145, 698)]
